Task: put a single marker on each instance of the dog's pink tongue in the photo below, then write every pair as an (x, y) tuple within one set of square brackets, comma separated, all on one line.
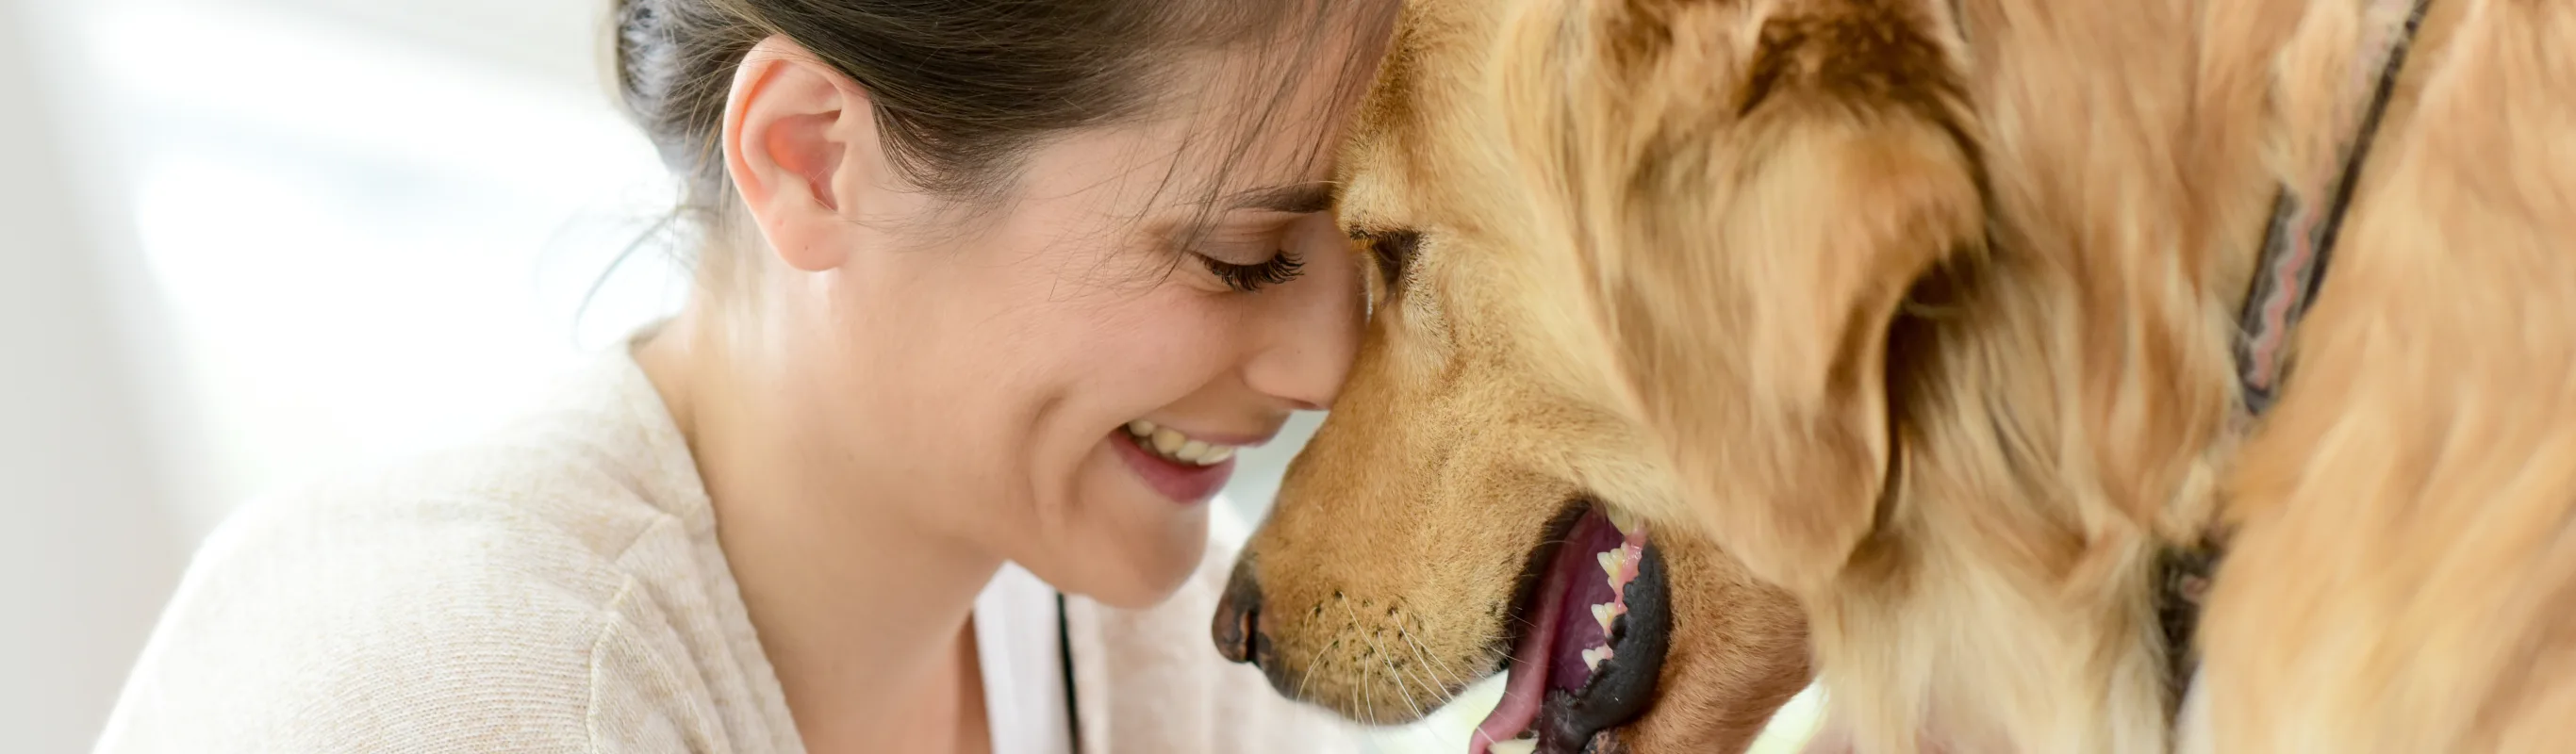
[(1525, 688)]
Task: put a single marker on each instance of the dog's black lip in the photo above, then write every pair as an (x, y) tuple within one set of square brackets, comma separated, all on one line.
[(1578, 722), (1624, 687)]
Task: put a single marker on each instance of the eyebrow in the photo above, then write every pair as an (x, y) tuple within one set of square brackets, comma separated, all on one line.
[(1295, 198)]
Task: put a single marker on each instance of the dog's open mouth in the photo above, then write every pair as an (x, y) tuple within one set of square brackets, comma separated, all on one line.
[(1594, 627)]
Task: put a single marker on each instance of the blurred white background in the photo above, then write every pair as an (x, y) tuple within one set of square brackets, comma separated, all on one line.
[(253, 240)]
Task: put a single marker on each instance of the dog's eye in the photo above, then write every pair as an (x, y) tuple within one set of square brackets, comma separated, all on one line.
[(1393, 250)]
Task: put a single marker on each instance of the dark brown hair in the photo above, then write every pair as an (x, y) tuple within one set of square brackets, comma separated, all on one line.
[(961, 88)]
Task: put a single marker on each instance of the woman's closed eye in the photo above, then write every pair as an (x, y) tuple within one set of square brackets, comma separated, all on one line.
[(1252, 250), (1281, 267)]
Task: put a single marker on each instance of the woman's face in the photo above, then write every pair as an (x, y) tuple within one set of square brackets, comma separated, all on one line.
[(1062, 379)]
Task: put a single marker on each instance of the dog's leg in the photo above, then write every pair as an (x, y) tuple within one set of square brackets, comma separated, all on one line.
[(2405, 576)]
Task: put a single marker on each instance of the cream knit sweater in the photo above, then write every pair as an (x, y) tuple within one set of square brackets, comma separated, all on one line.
[(558, 588)]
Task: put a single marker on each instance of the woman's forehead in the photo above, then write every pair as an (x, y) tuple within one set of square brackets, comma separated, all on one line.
[(1253, 124), (1277, 104)]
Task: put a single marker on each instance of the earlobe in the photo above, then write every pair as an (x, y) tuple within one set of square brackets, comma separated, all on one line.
[(798, 137)]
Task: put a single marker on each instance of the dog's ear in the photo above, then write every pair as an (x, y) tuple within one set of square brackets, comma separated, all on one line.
[(1753, 192)]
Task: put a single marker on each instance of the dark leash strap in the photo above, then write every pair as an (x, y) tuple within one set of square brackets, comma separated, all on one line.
[(1064, 656), (2301, 241), (2296, 248)]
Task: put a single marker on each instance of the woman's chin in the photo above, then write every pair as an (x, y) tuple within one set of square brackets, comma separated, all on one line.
[(1126, 579), (1150, 571), (1124, 544)]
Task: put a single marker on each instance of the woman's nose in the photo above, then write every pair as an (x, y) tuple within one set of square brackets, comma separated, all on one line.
[(1313, 336)]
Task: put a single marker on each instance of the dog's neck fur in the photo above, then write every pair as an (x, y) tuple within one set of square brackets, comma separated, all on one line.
[(2064, 410)]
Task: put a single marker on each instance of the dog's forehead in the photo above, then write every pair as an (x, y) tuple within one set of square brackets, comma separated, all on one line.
[(1414, 144), (1374, 192), (1378, 162)]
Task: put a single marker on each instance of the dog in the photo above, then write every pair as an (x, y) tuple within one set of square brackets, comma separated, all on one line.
[(1914, 343), (1459, 496)]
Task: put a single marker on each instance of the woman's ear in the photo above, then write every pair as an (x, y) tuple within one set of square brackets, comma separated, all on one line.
[(799, 141)]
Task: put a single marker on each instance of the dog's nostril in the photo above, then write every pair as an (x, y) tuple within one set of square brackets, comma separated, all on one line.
[(1238, 616)]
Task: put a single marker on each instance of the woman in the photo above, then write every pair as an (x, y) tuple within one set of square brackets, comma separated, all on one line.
[(978, 284)]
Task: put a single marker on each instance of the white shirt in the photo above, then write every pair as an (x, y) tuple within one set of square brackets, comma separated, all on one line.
[(1019, 641)]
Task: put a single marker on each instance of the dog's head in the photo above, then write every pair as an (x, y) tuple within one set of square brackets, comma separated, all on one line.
[(1637, 266)]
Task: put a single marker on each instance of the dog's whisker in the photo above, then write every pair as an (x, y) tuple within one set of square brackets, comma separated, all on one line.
[(1383, 659), (1404, 687), (1443, 682), (1443, 685), (1439, 683), (1401, 691), (1306, 673), (1368, 696)]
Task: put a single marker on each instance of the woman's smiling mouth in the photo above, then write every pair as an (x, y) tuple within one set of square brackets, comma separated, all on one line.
[(1186, 469), (1174, 445)]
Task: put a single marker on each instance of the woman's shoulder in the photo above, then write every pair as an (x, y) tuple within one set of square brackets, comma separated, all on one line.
[(553, 506), (473, 593), (578, 479)]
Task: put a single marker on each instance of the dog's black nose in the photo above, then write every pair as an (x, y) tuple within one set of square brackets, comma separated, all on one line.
[(1238, 617)]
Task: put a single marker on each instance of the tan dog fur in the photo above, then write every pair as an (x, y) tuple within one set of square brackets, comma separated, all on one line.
[(2403, 579), (1389, 565), (1925, 318)]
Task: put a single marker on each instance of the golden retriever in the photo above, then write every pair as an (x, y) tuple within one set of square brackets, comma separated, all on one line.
[(1918, 320)]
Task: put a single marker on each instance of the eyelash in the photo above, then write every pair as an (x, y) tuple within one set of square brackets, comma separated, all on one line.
[(1253, 277)]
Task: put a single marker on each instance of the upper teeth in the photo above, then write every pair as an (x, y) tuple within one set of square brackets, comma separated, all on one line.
[(1618, 566), (1606, 613), (1592, 657), (1612, 561), (1170, 443)]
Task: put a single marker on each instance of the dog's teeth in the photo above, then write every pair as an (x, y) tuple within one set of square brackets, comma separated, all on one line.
[(1607, 612), (1141, 428), (1514, 746), (1166, 440), (1217, 455), (1626, 571), (1626, 522), (1190, 451), (1592, 658), (1611, 562)]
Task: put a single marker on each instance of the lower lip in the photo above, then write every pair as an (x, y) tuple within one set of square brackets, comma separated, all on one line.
[(1187, 484)]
